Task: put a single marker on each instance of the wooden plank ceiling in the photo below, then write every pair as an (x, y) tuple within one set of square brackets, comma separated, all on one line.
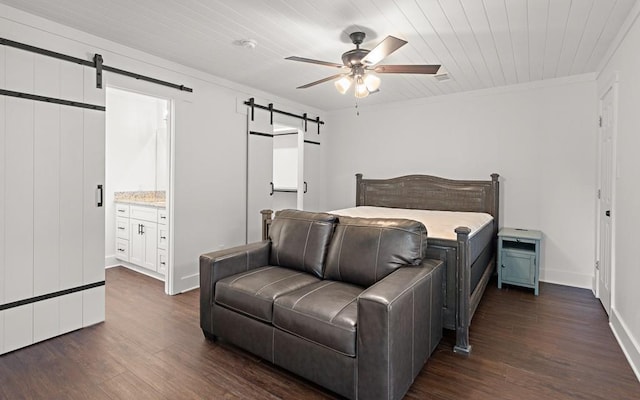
[(480, 43)]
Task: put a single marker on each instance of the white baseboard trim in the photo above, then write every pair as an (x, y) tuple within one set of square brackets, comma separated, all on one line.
[(111, 261), (629, 345), (119, 263), (189, 282), (566, 278)]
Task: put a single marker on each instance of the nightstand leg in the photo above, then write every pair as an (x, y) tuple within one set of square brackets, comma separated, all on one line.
[(536, 289)]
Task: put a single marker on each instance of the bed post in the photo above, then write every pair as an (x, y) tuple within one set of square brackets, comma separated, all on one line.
[(266, 223), (359, 201), (495, 206), (463, 272)]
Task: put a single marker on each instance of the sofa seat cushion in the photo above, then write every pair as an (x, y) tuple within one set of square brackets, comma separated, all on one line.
[(253, 292), (324, 312)]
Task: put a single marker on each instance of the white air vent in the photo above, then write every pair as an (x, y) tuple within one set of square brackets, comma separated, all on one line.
[(442, 77)]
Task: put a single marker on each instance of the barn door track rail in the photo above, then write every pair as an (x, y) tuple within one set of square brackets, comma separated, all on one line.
[(96, 63), (253, 105)]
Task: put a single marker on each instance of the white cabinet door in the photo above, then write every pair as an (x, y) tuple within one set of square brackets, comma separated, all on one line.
[(259, 171), (143, 246), (150, 235), (136, 244)]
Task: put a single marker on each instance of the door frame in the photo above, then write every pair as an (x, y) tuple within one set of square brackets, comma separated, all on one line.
[(611, 84), (150, 90)]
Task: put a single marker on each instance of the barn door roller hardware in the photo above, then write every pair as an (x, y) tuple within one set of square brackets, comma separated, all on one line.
[(253, 105), (96, 63)]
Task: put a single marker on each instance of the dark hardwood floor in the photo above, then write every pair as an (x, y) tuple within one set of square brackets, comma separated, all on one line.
[(555, 346)]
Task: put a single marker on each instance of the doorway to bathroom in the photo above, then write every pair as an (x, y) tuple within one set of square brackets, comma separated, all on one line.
[(138, 167)]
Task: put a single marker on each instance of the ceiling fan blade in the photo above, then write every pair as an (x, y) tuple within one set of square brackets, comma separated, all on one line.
[(383, 49), (329, 78), (407, 69), (309, 60)]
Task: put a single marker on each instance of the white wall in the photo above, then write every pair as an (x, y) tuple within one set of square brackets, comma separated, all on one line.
[(134, 123), (209, 195), (625, 313), (541, 139)]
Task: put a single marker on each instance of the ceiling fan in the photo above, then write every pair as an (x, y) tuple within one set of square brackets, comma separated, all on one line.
[(359, 63)]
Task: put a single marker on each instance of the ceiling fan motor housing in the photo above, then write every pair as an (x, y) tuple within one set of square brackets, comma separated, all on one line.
[(354, 57)]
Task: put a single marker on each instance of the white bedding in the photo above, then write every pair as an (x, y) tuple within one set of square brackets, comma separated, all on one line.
[(439, 224)]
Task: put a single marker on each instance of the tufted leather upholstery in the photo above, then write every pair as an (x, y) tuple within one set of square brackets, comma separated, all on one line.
[(366, 250), (300, 239)]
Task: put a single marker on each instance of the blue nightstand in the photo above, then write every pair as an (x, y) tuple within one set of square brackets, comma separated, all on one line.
[(519, 257)]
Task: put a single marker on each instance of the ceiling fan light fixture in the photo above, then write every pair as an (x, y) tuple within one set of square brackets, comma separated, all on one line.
[(343, 84), (361, 88), (372, 82)]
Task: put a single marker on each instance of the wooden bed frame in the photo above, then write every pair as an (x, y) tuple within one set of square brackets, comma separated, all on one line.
[(434, 193)]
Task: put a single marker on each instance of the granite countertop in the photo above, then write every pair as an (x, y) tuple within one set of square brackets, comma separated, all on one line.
[(143, 198)]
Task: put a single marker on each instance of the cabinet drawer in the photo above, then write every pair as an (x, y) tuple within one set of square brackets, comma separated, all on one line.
[(122, 210), (122, 228), (163, 236), (162, 216), (162, 261), (144, 213), (518, 267), (122, 249)]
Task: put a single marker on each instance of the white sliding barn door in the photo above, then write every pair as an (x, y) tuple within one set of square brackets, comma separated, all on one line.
[(51, 163), (311, 171), (259, 171)]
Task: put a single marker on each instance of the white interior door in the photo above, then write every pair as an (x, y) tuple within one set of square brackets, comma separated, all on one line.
[(259, 171), (605, 215)]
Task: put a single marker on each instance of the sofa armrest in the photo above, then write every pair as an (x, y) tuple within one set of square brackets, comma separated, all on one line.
[(221, 264), (399, 324)]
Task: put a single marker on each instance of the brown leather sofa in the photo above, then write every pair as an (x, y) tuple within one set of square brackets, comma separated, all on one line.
[(348, 304)]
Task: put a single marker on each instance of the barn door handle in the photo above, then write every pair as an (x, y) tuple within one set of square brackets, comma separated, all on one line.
[(305, 187), (272, 191), (607, 213), (99, 194)]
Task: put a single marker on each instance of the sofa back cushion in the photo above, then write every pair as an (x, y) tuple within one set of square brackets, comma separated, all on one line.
[(300, 239), (365, 250)]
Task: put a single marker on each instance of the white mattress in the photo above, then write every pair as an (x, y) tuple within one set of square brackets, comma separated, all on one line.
[(439, 224)]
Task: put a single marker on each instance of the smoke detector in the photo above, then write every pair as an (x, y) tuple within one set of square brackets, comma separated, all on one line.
[(246, 43)]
